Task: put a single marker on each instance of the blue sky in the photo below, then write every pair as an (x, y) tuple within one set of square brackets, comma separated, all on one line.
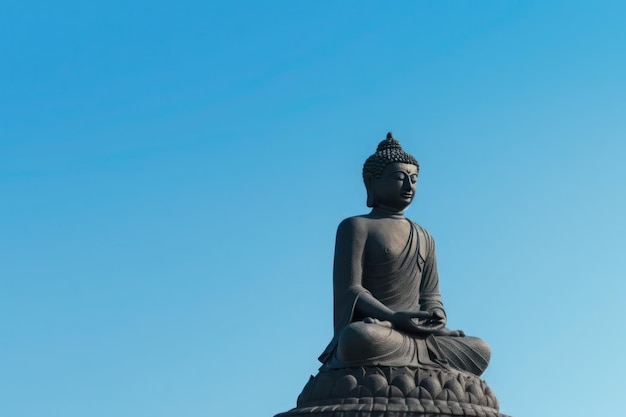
[(172, 175)]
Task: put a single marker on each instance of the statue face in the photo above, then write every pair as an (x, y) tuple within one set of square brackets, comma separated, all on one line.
[(396, 186)]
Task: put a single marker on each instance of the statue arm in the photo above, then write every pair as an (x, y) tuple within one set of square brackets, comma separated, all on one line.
[(348, 271), (430, 297)]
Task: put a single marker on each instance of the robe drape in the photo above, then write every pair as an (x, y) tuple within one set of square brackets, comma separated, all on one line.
[(408, 283)]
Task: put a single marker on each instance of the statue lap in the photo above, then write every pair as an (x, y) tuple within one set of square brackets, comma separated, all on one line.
[(373, 342)]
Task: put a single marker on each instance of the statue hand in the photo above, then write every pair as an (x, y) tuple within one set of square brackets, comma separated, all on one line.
[(436, 321), (404, 320), (436, 325)]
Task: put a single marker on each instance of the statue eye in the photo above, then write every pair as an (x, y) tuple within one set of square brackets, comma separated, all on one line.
[(400, 177), (414, 178)]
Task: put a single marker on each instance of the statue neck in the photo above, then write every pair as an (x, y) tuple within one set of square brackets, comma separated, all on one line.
[(385, 211)]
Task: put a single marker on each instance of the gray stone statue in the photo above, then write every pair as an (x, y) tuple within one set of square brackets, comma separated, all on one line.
[(391, 352), (388, 308)]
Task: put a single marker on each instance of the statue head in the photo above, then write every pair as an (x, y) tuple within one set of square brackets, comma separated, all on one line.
[(388, 156)]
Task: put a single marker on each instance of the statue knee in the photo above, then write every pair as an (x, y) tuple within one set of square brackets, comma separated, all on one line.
[(360, 340), (479, 345), (359, 332)]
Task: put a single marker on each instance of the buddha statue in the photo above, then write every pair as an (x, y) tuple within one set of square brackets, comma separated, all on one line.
[(387, 306), (391, 354)]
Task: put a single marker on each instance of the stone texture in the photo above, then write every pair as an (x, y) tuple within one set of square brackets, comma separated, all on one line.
[(395, 392)]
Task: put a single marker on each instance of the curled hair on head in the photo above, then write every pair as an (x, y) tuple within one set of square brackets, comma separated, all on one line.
[(388, 152)]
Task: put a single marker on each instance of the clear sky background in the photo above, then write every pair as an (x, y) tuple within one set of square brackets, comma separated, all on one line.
[(172, 175)]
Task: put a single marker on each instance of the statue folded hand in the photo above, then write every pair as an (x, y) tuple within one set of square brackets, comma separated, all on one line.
[(417, 322)]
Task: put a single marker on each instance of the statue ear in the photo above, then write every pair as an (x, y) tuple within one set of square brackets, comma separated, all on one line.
[(368, 179)]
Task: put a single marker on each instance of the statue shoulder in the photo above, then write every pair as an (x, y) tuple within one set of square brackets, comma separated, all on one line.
[(422, 231), (353, 225)]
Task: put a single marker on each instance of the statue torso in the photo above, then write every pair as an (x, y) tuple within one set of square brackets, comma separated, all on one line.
[(392, 262)]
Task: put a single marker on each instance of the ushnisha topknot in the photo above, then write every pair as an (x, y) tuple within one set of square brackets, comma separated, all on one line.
[(388, 152)]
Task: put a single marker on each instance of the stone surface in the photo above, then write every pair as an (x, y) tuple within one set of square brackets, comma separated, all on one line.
[(391, 391)]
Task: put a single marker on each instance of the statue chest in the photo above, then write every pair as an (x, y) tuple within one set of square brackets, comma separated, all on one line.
[(386, 244)]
